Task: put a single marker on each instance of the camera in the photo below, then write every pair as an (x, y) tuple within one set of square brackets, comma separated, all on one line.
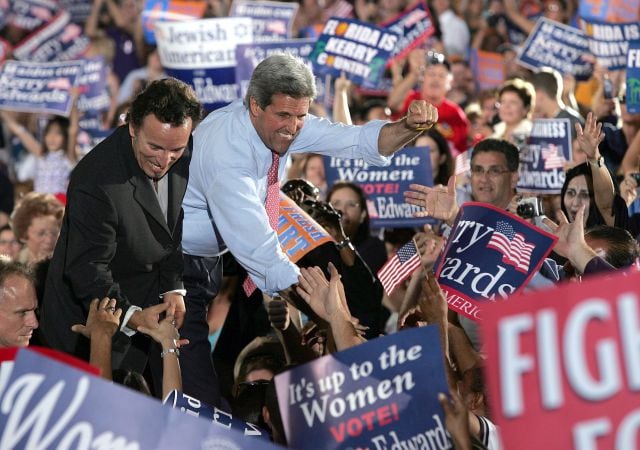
[(529, 208)]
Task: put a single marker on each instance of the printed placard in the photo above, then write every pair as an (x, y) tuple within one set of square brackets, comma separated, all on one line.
[(47, 404), (488, 68), (79, 9), (543, 157), (378, 395), (271, 20), (633, 77), (609, 42), (169, 10), (298, 233), (248, 56), (38, 87), (58, 40), (414, 26), (490, 255), (92, 83), (552, 44), (614, 11), (31, 14), (357, 49), (202, 53), (565, 362), (385, 186)]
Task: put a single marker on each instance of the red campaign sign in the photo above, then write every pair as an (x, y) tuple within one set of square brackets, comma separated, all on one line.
[(564, 364)]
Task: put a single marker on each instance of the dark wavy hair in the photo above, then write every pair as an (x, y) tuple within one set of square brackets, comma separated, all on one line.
[(63, 123), (595, 217), (364, 229)]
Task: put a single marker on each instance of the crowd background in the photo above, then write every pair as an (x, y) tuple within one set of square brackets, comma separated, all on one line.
[(38, 153)]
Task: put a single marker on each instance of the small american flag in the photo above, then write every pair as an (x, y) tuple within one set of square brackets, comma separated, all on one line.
[(515, 250), (553, 157), (399, 267)]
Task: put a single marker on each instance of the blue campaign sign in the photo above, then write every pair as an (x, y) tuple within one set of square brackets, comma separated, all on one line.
[(88, 138), (413, 25), (79, 9), (381, 394), (385, 186), (248, 56), (271, 20), (609, 42), (552, 44), (58, 40), (633, 77), (357, 49), (543, 158), (194, 407), (202, 53), (31, 14), (47, 404), (490, 255), (92, 83), (38, 87)]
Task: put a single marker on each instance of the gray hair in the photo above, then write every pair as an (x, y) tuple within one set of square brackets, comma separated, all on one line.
[(13, 268), (280, 74)]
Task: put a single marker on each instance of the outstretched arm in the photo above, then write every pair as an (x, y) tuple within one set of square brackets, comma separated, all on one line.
[(437, 202), (395, 135)]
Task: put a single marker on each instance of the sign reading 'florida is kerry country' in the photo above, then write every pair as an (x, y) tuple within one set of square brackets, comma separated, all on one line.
[(490, 255)]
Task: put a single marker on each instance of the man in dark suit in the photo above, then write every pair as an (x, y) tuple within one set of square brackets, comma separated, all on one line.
[(122, 229)]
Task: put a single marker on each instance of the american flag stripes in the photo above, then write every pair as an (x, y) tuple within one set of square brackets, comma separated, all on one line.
[(515, 250), (553, 157), (399, 267)]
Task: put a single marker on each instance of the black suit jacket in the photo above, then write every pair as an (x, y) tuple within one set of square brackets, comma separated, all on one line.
[(114, 240)]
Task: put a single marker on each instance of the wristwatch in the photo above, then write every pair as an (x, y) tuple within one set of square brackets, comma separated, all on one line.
[(345, 243), (598, 161)]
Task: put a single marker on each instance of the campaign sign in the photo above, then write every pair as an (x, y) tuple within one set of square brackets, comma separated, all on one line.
[(202, 53), (413, 25), (47, 404), (195, 408), (248, 56), (633, 77), (615, 11), (38, 87), (609, 42), (298, 233), (566, 362), (357, 49), (31, 14), (385, 186), (92, 83), (90, 137), (173, 10), (543, 157), (487, 68), (271, 20), (378, 395), (552, 44), (79, 9), (58, 40), (5, 49), (490, 255)]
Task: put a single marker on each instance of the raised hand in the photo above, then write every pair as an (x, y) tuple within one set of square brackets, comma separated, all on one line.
[(421, 115), (590, 138), (103, 318), (166, 333), (437, 202)]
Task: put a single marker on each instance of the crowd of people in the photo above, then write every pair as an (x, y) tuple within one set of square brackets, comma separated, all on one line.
[(156, 257)]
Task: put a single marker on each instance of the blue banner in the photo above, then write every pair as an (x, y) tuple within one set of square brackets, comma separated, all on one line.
[(633, 77), (543, 158), (92, 83), (609, 42), (38, 87), (248, 56), (79, 9), (58, 40), (31, 14), (90, 137), (271, 20), (195, 408), (202, 53), (413, 25), (47, 404), (377, 395), (490, 255), (385, 186), (552, 44), (357, 49)]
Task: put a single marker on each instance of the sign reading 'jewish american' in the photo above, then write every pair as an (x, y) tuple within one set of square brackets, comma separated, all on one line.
[(565, 364), (543, 157), (382, 394), (490, 255)]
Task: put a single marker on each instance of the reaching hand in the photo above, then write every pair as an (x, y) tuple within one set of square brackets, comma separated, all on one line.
[(176, 301), (589, 139), (103, 318), (438, 202), (570, 234), (278, 312), (322, 296), (166, 333), (429, 247), (432, 302), (421, 116), (148, 317), (456, 419)]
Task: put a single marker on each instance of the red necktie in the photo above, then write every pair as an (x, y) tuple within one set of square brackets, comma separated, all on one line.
[(272, 206)]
